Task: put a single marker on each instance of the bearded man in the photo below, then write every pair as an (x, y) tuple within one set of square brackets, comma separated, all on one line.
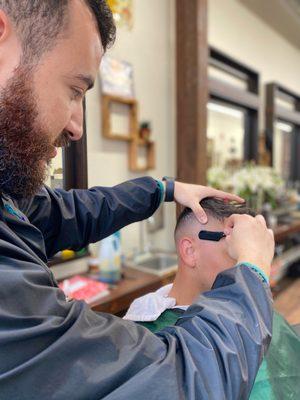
[(50, 51)]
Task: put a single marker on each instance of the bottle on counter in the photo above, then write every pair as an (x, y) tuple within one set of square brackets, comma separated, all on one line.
[(110, 258)]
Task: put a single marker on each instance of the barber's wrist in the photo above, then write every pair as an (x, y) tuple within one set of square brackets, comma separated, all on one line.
[(259, 261), (169, 188), (256, 266), (162, 189)]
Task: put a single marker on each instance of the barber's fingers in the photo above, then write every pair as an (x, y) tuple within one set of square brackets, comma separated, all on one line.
[(224, 195), (261, 219), (199, 213), (232, 220), (271, 233), (229, 224)]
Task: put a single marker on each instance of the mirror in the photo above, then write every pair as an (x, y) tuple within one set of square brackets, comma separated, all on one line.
[(282, 149), (55, 179), (68, 170), (225, 135)]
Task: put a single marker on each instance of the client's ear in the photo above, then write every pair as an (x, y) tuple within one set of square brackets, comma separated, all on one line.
[(187, 252)]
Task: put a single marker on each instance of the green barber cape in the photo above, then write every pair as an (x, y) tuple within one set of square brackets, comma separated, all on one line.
[(279, 374), (167, 318), (278, 377)]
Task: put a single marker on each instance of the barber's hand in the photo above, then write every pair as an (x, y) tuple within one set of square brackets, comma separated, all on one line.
[(190, 195), (249, 240)]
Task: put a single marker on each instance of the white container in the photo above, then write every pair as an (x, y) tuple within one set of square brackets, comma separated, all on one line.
[(110, 258)]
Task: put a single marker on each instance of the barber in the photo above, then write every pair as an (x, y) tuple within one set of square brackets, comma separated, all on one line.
[(51, 348)]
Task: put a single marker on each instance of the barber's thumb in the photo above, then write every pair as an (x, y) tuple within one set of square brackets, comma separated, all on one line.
[(229, 224), (200, 214), (227, 231)]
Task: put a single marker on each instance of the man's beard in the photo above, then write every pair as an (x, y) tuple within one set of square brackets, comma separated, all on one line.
[(25, 145)]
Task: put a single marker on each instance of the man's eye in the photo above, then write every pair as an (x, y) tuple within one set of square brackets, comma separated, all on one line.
[(77, 93)]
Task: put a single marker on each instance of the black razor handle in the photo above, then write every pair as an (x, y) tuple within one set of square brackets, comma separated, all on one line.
[(213, 236)]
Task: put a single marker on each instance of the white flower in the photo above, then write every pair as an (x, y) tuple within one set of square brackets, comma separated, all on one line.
[(251, 179)]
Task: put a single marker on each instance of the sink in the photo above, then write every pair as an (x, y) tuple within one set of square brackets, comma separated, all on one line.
[(158, 263)]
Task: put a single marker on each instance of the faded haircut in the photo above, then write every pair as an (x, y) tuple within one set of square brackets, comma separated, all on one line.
[(215, 208), (39, 22)]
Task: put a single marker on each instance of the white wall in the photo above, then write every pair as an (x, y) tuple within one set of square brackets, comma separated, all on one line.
[(149, 47), (240, 33)]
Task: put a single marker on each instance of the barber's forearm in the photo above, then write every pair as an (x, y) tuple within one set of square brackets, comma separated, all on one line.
[(100, 211), (75, 218)]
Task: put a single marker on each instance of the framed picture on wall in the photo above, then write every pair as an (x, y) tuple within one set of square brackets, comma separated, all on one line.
[(123, 12), (116, 77)]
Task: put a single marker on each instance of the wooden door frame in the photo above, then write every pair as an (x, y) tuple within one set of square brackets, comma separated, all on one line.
[(75, 161), (192, 89)]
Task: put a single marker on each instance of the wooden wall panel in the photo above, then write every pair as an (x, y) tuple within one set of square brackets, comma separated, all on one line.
[(192, 89)]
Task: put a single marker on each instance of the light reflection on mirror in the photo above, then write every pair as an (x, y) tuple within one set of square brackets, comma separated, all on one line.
[(282, 149), (225, 135), (55, 174)]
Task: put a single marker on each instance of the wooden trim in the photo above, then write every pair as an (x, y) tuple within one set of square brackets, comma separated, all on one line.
[(293, 117), (273, 111), (192, 89), (283, 231), (286, 91), (251, 135), (270, 118), (235, 67), (133, 149), (134, 284), (75, 161), (228, 69), (106, 102), (119, 99), (233, 95), (295, 170)]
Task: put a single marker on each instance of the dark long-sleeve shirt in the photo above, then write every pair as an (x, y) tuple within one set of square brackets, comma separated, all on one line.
[(54, 349)]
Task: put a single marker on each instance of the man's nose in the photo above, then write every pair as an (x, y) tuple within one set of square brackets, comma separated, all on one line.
[(75, 124)]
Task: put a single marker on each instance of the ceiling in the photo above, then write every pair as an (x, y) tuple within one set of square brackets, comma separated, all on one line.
[(281, 15)]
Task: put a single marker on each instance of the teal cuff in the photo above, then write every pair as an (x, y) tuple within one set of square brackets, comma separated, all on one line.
[(162, 191), (256, 269)]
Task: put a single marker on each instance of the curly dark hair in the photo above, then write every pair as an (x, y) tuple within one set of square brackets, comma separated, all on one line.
[(39, 22), (104, 20)]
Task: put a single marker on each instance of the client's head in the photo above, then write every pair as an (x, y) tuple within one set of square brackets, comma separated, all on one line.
[(203, 259)]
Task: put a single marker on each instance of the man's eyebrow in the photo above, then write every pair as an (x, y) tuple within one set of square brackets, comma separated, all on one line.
[(88, 80)]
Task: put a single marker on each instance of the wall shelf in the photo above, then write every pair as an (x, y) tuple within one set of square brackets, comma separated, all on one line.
[(135, 142), (107, 103), (133, 150)]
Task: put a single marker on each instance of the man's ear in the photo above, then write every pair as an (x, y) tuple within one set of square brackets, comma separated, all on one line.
[(228, 226), (5, 26), (187, 252), (10, 48)]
